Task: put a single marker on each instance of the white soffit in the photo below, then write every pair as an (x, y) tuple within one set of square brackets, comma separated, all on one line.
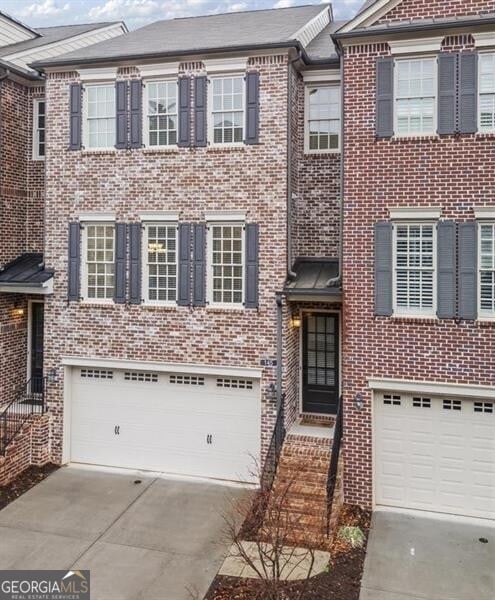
[(432, 44), (426, 387), (484, 39), (159, 215), (225, 215), (225, 65), (159, 69), (98, 74), (415, 213), (485, 212), (321, 76)]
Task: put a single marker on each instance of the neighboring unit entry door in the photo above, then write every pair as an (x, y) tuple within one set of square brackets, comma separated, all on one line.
[(320, 389)]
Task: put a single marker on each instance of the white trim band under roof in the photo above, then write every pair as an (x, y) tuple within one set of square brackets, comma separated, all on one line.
[(484, 39), (414, 46), (225, 65), (159, 69), (321, 76), (74, 361), (159, 215), (98, 74), (433, 388), (415, 213), (484, 212)]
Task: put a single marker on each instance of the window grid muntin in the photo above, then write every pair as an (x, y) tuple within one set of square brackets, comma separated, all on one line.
[(486, 252), (415, 96), (161, 275), (100, 261), (414, 268), (227, 263), (323, 118), (162, 113), (227, 102), (486, 92), (39, 128), (392, 400), (321, 357), (100, 116)]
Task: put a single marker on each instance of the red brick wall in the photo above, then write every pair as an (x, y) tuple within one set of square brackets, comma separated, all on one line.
[(425, 9), (454, 173)]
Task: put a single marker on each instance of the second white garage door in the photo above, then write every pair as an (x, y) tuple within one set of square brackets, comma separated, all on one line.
[(435, 454), (176, 423)]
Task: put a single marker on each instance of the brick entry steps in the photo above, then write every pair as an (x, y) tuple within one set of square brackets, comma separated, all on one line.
[(300, 484)]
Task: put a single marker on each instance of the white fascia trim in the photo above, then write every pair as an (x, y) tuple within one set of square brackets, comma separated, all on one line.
[(321, 76), (415, 213), (109, 363), (374, 12), (159, 70), (45, 290), (416, 46), (426, 387), (225, 215), (312, 28), (159, 215), (484, 212), (225, 65), (98, 74), (95, 217), (484, 39)]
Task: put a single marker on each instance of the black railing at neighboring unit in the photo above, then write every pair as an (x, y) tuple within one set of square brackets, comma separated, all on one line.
[(29, 400), (334, 460), (273, 454)]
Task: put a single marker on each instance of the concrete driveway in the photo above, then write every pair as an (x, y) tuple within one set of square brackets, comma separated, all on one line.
[(153, 540), (416, 557)]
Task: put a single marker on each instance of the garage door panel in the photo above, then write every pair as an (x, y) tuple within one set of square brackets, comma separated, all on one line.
[(434, 454)]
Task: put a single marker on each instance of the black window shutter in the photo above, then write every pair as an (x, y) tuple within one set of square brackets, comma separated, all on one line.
[(136, 108), (184, 138), (383, 269), (252, 265), (468, 92), (385, 97), (120, 263), (252, 107), (200, 103), (75, 93), (74, 263), (467, 271), (135, 232), (446, 276), (184, 295), (199, 265), (121, 88), (447, 92)]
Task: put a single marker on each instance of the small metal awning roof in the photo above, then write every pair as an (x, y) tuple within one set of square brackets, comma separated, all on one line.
[(26, 275), (315, 279)]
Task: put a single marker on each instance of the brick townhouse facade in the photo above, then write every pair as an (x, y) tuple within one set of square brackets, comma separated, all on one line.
[(241, 228)]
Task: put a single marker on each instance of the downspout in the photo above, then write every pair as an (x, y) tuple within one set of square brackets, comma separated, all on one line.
[(290, 272), (2, 77), (279, 349)]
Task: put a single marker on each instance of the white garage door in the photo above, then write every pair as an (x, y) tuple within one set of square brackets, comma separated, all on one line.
[(189, 424), (435, 454)]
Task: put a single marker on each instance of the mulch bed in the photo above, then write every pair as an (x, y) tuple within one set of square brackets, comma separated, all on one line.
[(24, 482), (342, 581)]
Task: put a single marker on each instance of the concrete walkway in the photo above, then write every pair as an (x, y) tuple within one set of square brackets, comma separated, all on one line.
[(160, 539), (416, 557)]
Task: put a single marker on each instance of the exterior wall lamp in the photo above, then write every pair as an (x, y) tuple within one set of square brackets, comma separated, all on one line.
[(358, 402), (18, 310), (296, 321)]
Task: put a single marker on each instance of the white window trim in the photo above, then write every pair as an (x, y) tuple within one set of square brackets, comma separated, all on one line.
[(415, 213), (320, 84), (84, 267), (85, 128), (236, 64), (435, 96), (484, 39), (209, 265), (414, 314), (36, 103), (98, 74), (413, 46), (145, 123), (160, 216), (323, 76), (159, 70), (484, 212), (482, 130), (210, 127), (482, 315), (145, 267)]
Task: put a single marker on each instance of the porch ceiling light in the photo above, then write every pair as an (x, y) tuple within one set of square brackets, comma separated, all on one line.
[(296, 321)]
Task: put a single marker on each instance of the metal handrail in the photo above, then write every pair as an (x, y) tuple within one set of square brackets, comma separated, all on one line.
[(334, 459), (272, 456), (29, 400)]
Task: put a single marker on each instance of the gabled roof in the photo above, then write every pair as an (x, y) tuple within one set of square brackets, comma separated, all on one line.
[(369, 12), (20, 24), (197, 35)]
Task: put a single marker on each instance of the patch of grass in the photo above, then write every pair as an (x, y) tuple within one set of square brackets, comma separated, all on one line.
[(353, 535)]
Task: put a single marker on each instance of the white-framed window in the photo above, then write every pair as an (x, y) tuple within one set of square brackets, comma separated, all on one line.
[(226, 99), (99, 115), (226, 264), (486, 86), (486, 267), (160, 263), (160, 113), (415, 96), (322, 118), (98, 262), (414, 269), (39, 128)]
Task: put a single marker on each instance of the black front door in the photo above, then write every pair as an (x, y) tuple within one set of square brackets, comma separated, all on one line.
[(320, 363), (36, 347)]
